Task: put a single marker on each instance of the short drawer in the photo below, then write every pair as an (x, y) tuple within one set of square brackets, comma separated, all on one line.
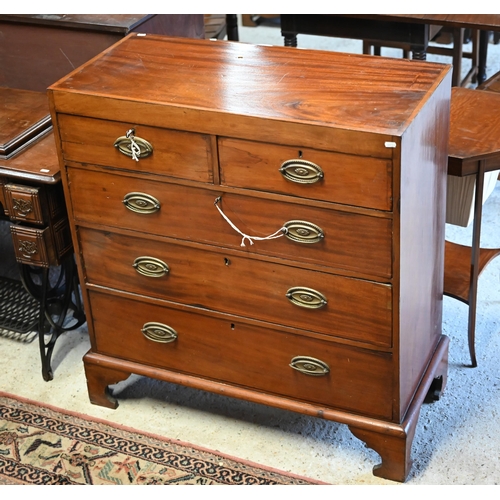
[(42, 247), (34, 246), (228, 351), (351, 241), (177, 154), (25, 203), (40, 205), (333, 305), (307, 173)]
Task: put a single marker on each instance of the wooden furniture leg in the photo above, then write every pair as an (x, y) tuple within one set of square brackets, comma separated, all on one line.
[(394, 444), (483, 54), (99, 378), (290, 39), (232, 27), (458, 36), (395, 451), (474, 265)]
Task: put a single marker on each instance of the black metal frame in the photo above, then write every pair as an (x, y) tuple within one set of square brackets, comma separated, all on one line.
[(43, 301)]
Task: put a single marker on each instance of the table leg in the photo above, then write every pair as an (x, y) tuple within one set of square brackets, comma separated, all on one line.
[(475, 251), (419, 54), (290, 39), (458, 37), (483, 54), (232, 27)]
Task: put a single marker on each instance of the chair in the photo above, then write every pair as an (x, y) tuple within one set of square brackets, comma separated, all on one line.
[(411, 37), (492, 84), (478, 58)]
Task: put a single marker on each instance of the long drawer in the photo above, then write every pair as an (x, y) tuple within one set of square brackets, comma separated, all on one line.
[(307, 173), (225, 350), (333, 305), (351, 241), (173, 153)]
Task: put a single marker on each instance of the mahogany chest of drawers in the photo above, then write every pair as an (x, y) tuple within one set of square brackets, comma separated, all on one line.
[(262, 222)]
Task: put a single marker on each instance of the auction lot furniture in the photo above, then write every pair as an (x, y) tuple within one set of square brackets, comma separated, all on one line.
[(251, 221), (35, 51)]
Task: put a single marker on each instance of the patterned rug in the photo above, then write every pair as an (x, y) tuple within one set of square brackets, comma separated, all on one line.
[(48, 446)]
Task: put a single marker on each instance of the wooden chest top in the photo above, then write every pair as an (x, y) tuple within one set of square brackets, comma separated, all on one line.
[(228, 80)]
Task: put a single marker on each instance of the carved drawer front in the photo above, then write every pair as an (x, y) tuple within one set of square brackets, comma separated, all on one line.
[(328, 304), (189, 213), (34, 246), (307, 173), (39, 205), (228, 351), (137, 147), (42, 247), (24, 203)]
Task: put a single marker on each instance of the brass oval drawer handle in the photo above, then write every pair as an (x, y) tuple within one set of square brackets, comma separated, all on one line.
[(158, 332), (309, 366), (150, 267), (141, 203), (301, 171), (132, 146), (306, 297), (302, 231)]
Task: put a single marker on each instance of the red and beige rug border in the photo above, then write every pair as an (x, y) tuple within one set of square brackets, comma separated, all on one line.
[(185, 444)]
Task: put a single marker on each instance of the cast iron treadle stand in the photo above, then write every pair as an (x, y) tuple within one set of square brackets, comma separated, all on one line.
[(57, 293), (18, 311)]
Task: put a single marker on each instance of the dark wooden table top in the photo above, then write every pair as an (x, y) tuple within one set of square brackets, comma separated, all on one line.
[(38, 163), (27, 147), (22, 112), (122, 23), (474, 21)]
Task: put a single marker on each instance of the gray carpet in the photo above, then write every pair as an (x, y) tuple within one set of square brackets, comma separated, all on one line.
[(456, 443)]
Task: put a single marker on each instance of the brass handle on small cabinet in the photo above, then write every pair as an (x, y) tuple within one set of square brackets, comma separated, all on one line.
[(306, 297), (158, 332), (301, 171), (132, 146), (309, 366), (141, 203), (302, 231), (150, 267)]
